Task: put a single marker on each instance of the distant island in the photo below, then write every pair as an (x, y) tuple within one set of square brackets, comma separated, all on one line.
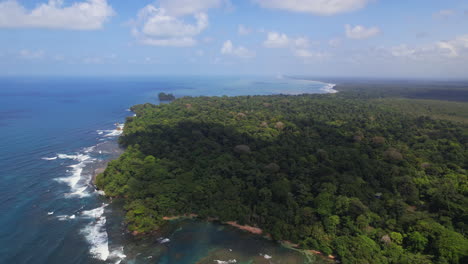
[(359, 175), (166, 97)]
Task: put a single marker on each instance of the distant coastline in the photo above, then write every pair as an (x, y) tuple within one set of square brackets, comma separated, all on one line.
[(328, 86)]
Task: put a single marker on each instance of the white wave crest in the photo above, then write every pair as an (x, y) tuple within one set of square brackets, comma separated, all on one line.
[(51, 158), (65, 217), (89, 149), (78, 157), (94, 213), (329, 88), (96, 234), (117, 255), (162, 240), (225, 261), (266, 256), (112, 132), (100, 192), (73, 181)]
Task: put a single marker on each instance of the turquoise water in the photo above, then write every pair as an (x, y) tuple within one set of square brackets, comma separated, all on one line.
[(56, 131)]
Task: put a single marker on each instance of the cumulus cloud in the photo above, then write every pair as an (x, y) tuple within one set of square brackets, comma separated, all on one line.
[(93, 60), (276, 40), (243, 30), (304, 53), (454, 48), (85, 15), (301, 42), (361, 32), (161, 25), (229, 49), (402, 51), (336, 42), (167, 24), (445, 13), (187, 7), (31, 54), (281, 40), (317, 7), (298, 46), (155, 26)]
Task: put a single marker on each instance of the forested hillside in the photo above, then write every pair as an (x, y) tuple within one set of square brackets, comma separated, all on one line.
[(346, 176)]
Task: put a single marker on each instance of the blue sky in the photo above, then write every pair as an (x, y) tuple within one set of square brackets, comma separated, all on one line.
[(348, 38)]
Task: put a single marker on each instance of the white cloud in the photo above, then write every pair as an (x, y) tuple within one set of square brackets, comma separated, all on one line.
[(104, 59), (443, 14), (317, 7), (243, 30), (59, 58), (93, 60), (187, 7), (208, 39), (281, 40), (277, 40), (156, 27), (31, 54), (167, 24), (174, 42), (301, 42), (229, 49), (85, 15), (454, 48), (162, 25), (304, 53), (298, 46), (360, 32), (402, 51), (336, 42)]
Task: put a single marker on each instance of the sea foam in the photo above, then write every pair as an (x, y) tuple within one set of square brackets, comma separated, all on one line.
[(225, 261), (78, 180), (73, 181), (112, 132), (65, 217), (51, 158), (162, 240), (329, 88), (96, 235)]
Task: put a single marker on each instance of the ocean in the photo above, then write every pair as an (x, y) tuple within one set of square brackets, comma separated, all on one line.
[(55, 131)]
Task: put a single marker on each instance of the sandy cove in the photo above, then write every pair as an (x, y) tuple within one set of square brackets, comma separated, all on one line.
[(250, 229), (253, 230)]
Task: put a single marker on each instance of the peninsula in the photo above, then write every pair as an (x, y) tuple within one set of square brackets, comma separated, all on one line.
[(364, 177)]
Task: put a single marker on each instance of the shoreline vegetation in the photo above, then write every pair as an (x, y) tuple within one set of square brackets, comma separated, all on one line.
[(348, 176), (166, 97)]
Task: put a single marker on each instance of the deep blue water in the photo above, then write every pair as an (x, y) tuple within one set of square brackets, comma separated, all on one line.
[(49, 213)]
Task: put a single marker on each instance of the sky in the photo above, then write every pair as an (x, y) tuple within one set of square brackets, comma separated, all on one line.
[(329, 38)]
